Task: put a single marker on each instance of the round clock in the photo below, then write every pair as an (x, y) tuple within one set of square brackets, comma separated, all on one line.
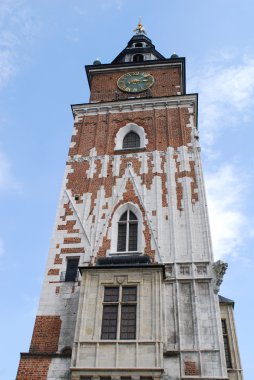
[(135, 82)]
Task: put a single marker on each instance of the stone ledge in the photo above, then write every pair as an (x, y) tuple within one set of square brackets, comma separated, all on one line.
[(43, 355)]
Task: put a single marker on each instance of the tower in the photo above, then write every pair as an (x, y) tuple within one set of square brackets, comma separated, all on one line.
[(131, 288)]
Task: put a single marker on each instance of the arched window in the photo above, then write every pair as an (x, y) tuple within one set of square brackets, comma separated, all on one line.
[(138, 58), (66, 351), (124, 141), (131, 140), (127, 240)]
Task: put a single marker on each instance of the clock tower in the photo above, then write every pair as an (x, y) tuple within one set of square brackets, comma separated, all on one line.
[(131, 288)]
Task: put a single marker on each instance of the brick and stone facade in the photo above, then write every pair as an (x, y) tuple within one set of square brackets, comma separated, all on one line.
[(179, 333)]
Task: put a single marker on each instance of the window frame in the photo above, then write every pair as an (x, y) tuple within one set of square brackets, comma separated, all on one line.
[(137, 138), (127, 223), (123, 131), (112, 251), (121, 304), (68, 277), (226, 343)]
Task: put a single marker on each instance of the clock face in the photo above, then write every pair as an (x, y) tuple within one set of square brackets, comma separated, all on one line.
[(135, 82)]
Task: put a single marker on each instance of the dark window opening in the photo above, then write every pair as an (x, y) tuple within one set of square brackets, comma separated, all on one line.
[(138, 58), (226, 343), (131, 140), (127, 232), (119, 313), (109, 322), (139, 44), (66, 351), (72, 269)]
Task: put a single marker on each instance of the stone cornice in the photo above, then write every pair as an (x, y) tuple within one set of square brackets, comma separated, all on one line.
[(132, 105)]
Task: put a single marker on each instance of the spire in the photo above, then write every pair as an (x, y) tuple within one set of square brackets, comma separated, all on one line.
[(139, 29)]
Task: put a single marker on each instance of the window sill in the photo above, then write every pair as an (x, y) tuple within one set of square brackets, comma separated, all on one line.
[(127, 253), (118, 341), (129, 150)]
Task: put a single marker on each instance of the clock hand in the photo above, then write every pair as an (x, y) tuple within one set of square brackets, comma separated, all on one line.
[(138, 80)]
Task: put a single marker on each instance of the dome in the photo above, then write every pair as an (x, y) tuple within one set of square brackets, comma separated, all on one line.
[(97, 62)]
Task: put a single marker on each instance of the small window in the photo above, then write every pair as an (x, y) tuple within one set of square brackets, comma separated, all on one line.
[(66, 352), (72, 269), (127, 232), (226, 343), (139, 44), (131, 140), (119, 313), (138, 58)]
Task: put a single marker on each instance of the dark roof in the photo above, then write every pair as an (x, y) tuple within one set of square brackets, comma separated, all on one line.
[(124, 260), (226, 300), (150, 48)]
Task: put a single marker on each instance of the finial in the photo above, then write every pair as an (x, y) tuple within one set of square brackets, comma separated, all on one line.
[(140, 29)]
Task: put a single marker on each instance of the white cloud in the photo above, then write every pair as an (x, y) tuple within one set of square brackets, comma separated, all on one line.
[(225, 84), (225, 196), (7, 67), (16, 29), (226, 92)]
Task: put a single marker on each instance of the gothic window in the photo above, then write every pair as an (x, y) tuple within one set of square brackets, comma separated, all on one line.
[(72, 269), (131, 140), (130, 136), (138, 58), (127, 232), (119, 312), (226, 343)]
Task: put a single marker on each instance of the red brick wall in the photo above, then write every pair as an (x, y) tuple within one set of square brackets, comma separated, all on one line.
[(104, 85), (191, 369), (163, 128), (45, 335), (33, 367)]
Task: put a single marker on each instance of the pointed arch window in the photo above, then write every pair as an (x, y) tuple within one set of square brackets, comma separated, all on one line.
[(127, 232), (131, 140)]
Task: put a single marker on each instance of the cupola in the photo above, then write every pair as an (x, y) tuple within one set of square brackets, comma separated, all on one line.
[(139, 49)]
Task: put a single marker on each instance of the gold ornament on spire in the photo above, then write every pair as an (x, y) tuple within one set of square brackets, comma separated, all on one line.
[(140, 29)]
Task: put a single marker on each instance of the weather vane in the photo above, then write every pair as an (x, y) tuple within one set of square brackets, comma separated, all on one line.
[(140, 29)]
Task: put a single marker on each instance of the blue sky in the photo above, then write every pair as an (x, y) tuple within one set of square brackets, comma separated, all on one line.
[(44, 45)]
